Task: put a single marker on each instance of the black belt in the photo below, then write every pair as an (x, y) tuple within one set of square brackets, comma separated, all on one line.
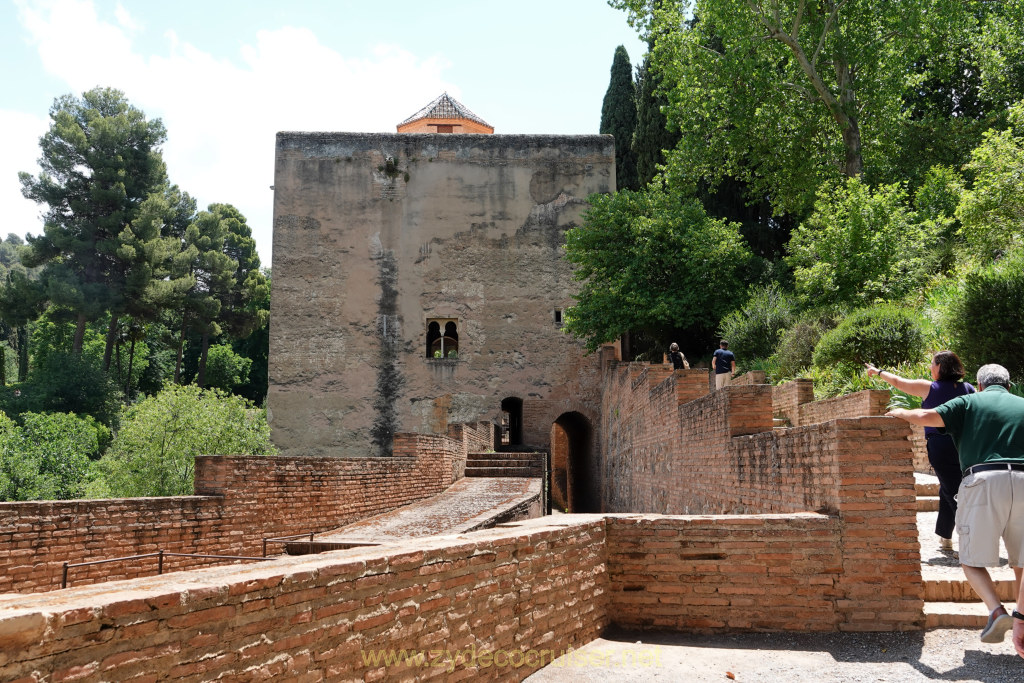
[(988, 466)]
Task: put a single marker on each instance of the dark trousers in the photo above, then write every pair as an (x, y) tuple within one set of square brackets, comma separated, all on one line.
[(946, 462)]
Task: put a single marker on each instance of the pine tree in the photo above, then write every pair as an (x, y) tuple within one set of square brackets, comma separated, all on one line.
[(100, 161), (618, 118)]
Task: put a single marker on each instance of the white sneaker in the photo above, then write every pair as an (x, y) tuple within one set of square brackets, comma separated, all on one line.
[(945, 543)]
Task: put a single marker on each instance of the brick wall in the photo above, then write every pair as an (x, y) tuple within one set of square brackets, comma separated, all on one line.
[(744, 572), (858, 404), (787, 399), (513, 598), (239, 501), (718, 454)]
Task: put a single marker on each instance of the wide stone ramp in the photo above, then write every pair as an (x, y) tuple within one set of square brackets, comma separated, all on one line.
[(466, 505)]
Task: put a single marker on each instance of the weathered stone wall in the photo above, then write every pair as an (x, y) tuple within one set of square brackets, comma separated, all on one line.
[(375, 234), (239, 500)]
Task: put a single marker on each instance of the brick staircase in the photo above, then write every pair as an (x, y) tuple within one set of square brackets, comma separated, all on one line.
[(950, 602), (505, 464)]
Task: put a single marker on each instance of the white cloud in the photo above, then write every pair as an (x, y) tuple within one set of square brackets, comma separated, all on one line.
[(19, 140), (222, 114)]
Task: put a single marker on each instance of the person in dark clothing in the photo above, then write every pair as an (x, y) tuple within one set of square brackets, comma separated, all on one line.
[(724, 364), (677, 358), (947, 383)]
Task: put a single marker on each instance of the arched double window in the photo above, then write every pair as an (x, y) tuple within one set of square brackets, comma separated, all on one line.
[(442, 338)]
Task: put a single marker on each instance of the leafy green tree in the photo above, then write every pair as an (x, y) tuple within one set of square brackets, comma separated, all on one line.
[(100, 161), (71, 383), (861, 245), (19, 474), (992, 209), (652, 262), (46, 459), (154, 452), (225, 369), (618, 118), (782, 95)]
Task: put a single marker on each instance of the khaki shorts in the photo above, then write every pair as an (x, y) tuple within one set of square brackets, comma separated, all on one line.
[(722, 380), (990, 505)]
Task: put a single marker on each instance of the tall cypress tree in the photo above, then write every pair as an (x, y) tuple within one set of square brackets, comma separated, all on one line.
[(652, 136), (618, 118)]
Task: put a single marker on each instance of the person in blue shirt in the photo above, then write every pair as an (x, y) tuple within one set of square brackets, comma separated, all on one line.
[(946, 383), (724, 364)]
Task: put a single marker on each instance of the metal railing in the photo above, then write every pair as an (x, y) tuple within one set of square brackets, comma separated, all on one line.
[(284, 539), (160, 555)]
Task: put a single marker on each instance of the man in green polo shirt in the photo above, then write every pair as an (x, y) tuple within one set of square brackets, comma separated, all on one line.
[(988, 429)]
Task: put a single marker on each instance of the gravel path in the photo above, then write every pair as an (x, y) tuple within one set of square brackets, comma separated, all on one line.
[(937, 655)]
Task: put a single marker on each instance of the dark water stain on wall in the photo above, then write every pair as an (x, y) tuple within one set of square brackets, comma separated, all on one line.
[(389, 376)]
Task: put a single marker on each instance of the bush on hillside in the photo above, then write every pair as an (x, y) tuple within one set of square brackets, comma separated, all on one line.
[(796, 344), (986, 316), (753, 330), (884, 334)]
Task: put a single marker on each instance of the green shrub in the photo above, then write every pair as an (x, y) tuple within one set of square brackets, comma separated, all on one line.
[(986, 316), (753, 330), (885, 335), (796, 345)]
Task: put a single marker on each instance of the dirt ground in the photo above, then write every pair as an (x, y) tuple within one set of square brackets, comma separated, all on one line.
[(936, 655)]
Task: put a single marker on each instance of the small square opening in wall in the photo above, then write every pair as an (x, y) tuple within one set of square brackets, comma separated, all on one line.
[(443, 338), (558, 317)]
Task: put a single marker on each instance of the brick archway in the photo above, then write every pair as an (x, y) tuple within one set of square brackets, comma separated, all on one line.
[(575, 484)]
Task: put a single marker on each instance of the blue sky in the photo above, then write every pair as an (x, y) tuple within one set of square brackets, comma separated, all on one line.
[(226, 75)]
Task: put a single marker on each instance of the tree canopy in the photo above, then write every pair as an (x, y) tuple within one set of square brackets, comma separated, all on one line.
[(100, 162), (652, 262)]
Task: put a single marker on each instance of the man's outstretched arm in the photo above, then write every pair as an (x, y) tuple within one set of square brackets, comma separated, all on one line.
[(924, 417)]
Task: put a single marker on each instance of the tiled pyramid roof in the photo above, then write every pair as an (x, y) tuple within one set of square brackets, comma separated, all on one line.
[(445, 107)]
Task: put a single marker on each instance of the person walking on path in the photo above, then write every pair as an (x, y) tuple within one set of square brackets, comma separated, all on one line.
[(724, 363), (677, 358), (988, 430), (947, 383)]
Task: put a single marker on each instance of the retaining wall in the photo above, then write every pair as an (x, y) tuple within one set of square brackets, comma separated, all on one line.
[(238, 501)]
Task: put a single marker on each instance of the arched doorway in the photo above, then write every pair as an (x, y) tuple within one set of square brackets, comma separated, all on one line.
[(573, 465), (511, 432)]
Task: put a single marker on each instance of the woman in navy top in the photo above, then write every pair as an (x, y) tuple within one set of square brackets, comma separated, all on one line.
[(947, 383)]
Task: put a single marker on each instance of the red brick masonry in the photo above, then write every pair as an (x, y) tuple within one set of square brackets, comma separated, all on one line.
[(238, 501)]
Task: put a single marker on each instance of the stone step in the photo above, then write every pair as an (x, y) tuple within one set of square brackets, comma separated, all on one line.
[(958, 590), (503, 471), (926, 488), (491, 462), (927, 503), (509, 455), (957, 615)]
